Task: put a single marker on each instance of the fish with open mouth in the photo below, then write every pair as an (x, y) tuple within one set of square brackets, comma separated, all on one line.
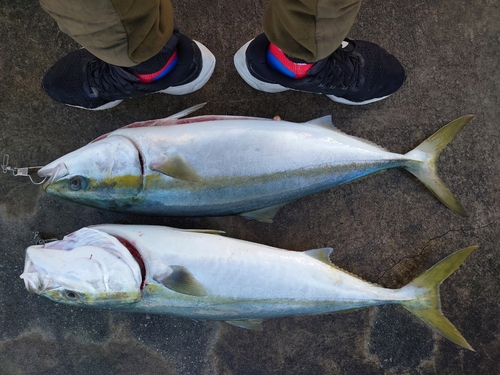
[(226, 165), (206, 276)]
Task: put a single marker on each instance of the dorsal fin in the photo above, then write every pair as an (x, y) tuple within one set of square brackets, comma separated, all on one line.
[(207, 231), (170, 120), (180, 280), (325, 122), (187, 111), (322, 254)]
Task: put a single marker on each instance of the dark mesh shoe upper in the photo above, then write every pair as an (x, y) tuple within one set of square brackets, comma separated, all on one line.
[(81, 79), (361, 71)]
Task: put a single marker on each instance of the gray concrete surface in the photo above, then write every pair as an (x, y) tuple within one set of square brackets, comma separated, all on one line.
[(386, 228)]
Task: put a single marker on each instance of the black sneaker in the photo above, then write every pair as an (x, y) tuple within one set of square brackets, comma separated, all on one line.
[(82, 80), (357, 73)]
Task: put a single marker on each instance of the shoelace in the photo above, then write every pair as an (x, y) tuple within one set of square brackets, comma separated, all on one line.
[(104, 80), (342, 69)]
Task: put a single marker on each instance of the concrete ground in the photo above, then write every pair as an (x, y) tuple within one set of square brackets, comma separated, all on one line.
[(387, 228)]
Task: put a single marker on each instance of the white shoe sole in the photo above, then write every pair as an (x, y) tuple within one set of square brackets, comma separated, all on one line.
[(208, 66), (242, 68), (102, 107)]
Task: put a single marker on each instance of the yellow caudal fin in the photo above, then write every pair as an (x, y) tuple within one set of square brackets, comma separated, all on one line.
[(425, 157), (428, 305)]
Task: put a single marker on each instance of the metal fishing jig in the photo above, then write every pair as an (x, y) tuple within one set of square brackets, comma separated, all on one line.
[(25, 171), (37, 238)]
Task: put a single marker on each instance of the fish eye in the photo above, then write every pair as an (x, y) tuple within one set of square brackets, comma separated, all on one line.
[(75, 183), (70, 295)]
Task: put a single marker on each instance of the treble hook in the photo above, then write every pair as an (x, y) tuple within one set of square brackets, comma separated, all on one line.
[(25, 171)]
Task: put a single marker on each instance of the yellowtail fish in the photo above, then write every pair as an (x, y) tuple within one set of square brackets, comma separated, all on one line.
[(203, 275), (224, 165)]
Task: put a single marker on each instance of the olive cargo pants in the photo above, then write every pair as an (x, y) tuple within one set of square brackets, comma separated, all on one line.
[(128, 32)]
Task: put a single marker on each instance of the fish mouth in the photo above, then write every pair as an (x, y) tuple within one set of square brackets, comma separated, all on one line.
[(35, 283), (55, 172), (34, 280)]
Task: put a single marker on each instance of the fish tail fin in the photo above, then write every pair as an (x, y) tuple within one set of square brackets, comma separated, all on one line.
[(427, 306), (425, 167)]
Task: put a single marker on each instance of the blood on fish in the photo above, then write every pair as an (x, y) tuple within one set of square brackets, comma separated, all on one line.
[(190, 120), (143, 123), (99, 138), (138, 258)]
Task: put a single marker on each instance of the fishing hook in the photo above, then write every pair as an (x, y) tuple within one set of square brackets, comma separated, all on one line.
[(25, 171)]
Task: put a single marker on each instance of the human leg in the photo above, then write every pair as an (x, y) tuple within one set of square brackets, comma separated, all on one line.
[(130, 49), (122, 33), (309, 30), (304, 48)]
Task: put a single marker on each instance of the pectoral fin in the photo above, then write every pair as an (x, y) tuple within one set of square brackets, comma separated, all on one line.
[(264, 215), (180, 280), (253, 324), (176, 166)]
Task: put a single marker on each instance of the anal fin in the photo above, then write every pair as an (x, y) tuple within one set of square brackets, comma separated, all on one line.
[(252, 324), (264, 215)]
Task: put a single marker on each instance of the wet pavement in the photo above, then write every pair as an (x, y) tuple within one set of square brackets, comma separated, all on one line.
[(387, 228)]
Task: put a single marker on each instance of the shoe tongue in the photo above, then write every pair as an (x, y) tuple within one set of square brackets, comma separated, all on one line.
[(318, 67), (295, 60)]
